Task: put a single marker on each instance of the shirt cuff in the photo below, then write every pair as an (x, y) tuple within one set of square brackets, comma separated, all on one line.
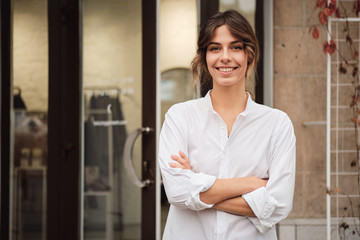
[(199, 183), (263, 206)]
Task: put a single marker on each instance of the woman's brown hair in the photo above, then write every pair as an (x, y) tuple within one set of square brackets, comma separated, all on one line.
[(240, 29)]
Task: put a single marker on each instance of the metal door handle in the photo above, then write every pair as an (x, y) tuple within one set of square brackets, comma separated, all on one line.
[(128, 163)]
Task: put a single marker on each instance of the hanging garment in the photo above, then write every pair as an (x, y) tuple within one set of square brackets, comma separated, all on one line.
[(97, 151), (18, 101), (96, 137)]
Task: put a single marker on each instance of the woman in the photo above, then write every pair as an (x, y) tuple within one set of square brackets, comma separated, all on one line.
[(233, 176)]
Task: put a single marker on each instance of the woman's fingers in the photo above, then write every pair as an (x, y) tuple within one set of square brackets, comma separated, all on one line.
[(183, 155), (178, 159), (186, 161), (183, 161), (176, 165)]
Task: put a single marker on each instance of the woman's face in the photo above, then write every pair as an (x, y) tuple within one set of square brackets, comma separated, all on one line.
[(226, 59)]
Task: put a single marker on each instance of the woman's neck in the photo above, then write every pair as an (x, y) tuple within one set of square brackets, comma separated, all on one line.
[(229, 99)]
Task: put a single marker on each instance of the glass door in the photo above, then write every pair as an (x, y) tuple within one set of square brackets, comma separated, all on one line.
[(112, 194), (28, 164), (116, 130)]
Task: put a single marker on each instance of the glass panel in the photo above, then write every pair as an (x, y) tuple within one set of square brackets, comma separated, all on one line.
[(30, 84), (177, 49), (112, 48), (247, 8)]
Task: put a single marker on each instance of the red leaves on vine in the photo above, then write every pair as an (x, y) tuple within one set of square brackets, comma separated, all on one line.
[(354, 101), (322, 18), (349, 39), (332, 7), (336, 190), (353, 163), (315, 33), (337, 13), (343, 225), (326, 10), (324, 3), (355, 71), (357, 7), (342, 69), (355, 120), (329, 47), (320, 3)]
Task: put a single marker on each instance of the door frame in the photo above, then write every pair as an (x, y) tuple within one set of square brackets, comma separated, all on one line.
[(64, 120), (149, 211), (5, 105)]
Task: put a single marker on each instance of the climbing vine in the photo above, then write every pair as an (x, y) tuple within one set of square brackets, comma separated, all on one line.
[(349, 66)]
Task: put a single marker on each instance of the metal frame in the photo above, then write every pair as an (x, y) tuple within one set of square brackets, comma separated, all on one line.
[(330, 105), (328, 142)]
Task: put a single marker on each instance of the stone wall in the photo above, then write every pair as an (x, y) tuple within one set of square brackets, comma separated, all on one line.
[(300, 91), (300, 82)]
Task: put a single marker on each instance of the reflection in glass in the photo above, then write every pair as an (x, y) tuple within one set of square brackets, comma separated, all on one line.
[(178, 47), (29, 135), (176, 86), (112, 86)]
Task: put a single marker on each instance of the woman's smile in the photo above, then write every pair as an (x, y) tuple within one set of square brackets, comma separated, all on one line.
[(226, 70)]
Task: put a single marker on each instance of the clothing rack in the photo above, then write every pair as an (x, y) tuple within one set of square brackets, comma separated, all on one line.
[(126, 92), (109, 122), (104, 90)]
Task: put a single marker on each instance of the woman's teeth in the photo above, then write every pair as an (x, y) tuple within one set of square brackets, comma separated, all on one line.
[(226, 69)]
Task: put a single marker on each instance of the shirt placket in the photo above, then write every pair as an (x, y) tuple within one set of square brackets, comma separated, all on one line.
[(224, 138), (222, 174)]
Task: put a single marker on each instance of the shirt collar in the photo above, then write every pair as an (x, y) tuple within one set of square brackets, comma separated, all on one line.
[(249, 102)]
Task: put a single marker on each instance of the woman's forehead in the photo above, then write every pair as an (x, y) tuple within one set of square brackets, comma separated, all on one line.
[(223, 34)]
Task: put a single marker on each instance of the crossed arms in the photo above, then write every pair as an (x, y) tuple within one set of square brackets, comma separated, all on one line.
[(225, 194)]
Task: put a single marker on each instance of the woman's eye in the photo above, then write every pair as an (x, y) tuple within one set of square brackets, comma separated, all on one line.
[(238, 47), (214, 48)]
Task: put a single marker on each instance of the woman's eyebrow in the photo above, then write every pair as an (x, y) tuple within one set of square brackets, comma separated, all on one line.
[(214, 43), (233, 42)]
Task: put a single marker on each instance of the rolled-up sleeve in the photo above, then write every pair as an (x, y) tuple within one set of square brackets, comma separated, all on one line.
[(183, 187), (273, 203)]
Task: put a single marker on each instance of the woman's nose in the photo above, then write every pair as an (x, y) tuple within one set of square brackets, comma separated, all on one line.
[(225, 57)]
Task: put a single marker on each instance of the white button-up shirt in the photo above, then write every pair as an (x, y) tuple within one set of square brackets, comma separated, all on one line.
[(261, 144)]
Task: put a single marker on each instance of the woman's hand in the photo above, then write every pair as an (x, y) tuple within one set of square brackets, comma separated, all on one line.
[(182, 161)]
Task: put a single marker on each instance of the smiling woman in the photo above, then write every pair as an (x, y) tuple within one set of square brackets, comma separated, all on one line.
[(220, 40), (226, 59), (233, 177)]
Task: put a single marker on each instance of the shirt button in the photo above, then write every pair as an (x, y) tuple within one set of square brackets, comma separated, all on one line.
[(222, 126)]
